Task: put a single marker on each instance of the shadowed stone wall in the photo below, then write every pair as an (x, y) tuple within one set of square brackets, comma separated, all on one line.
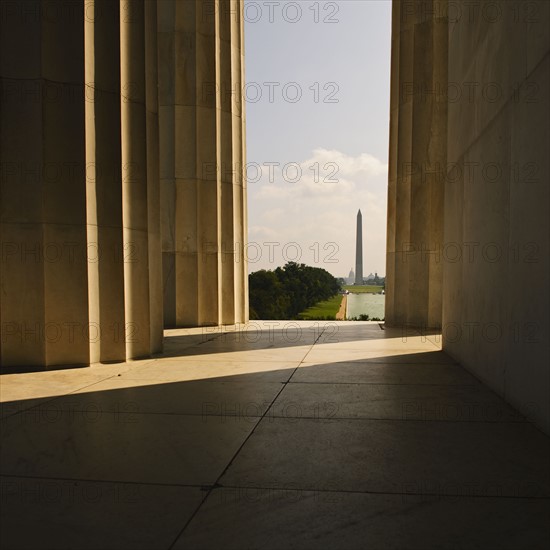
[(469, 184), (496, 293)]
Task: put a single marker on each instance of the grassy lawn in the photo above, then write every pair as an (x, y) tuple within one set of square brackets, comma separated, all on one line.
[(361, 289), (323, 310)]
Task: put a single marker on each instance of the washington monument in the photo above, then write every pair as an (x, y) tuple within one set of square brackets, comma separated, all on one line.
[(359, 251)]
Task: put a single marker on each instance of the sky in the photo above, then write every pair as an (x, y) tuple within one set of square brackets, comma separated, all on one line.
[(317, 107)]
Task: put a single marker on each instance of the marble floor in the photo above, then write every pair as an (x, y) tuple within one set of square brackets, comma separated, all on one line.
[(275, 435)]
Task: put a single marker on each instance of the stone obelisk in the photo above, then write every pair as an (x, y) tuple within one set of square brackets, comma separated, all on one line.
[(359, 251)]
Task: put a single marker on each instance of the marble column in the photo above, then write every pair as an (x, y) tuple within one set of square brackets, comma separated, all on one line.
[(156, 322), (44, 279), (418, 148), (400, 222), (123, 195), (232, 149), (392, 168), (202, 158), (104, 181), (82, 272), (139, 180)]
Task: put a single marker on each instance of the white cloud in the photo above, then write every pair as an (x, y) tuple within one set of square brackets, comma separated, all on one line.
[(259, 232), (327, 173), (317, 212), (363, 165)]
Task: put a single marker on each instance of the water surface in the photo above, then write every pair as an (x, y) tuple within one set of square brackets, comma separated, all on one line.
[(369, 304)]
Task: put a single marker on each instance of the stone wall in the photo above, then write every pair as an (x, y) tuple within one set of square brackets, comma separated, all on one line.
[(468, 221), (496, 293)]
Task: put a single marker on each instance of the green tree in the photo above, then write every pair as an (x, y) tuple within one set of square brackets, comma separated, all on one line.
[(267, 297), (289, 290)]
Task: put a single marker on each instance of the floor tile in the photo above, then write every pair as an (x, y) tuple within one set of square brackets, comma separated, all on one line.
[(408, 345), (320, 355), (491, 459), (120, 446), (22, 391), (9, 408), (279, 354), (14, 387), (375, 372), (63, 514), (270, 518), (176, 369), (373, 439), (198, 397), (398, 402)]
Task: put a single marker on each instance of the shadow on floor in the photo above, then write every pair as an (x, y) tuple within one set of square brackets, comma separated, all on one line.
[(400, 451)]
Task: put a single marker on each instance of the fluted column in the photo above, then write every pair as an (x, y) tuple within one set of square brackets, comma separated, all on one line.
[(233, 182), (403, 160), (167, 140), (392, 169), (242, 224), (104, 181), (418, 148), (428, 171), (123, 205), (207, 170), (156, 325), (202, 159), (139, 177), (81, 266), (134, 176), (44, 280)]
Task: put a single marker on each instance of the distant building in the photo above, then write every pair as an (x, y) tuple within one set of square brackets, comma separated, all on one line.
[(375, 280)]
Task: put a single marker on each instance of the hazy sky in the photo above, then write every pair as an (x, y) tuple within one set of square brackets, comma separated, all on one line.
[(318, 105)]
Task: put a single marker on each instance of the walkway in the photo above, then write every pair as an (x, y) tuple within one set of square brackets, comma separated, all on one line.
[(341, 315), (302, 435)]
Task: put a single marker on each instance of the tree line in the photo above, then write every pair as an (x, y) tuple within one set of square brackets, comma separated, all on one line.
[(289, 290)]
